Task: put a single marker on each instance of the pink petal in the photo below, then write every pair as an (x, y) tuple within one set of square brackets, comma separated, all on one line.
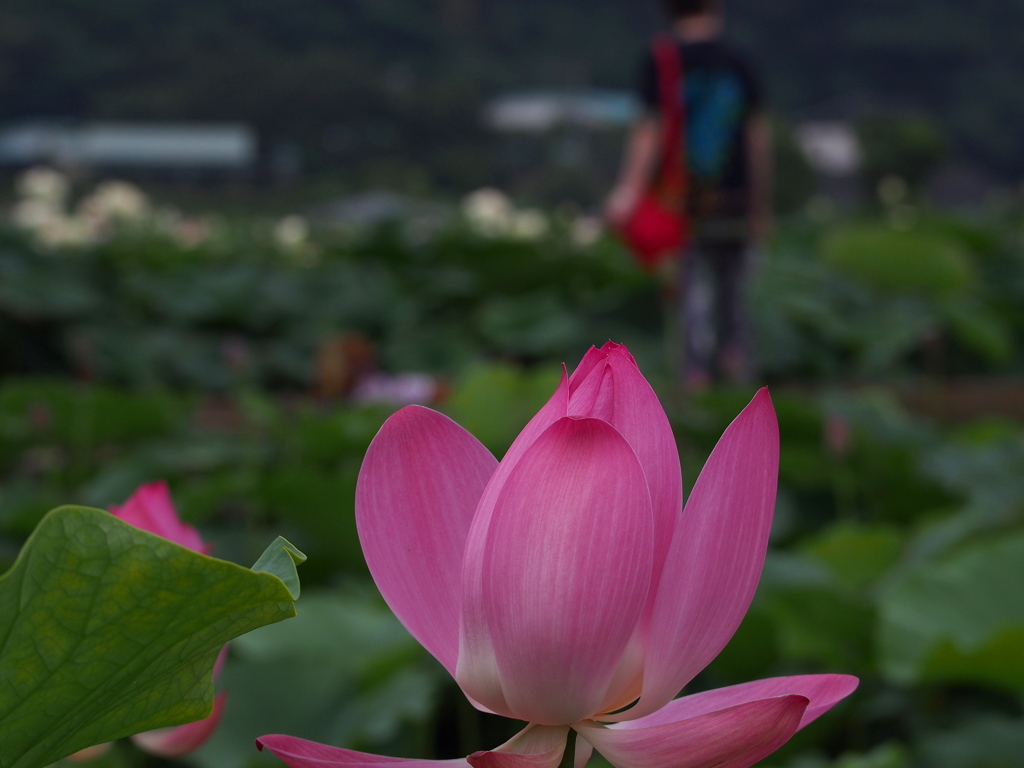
[(477, 672), (608, 385), (716, 556), (822, 691), (536, 746), (222, 658), (508, 760), (566, 571), (174, 742), (736, 737), (299, 753), (419, 484), (150, 509)]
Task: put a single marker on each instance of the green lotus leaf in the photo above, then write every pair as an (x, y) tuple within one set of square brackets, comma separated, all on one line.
[(901, 262), (960, 619), (106, 631)]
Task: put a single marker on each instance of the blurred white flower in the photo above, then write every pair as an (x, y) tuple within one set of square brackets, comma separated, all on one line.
[(65, 232), (117, 201), (586, 230), (529, 224), (291, 232), (192, 231), (488, 210), (45, 184), (32, 213)]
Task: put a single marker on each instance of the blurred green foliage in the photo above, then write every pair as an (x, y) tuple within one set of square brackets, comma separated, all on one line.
[(897, 543), (794, 178), (884, 563), (146, 311), (900, 261), (920, 292), (866, 298), (909, 147)]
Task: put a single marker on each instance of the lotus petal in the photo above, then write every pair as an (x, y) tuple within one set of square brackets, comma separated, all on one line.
[(736, 737), (716, 556), (608, 385), (566, 571), (150, 509), (300, 753), (536, 746), (476, 650), (418, 487), (822, 691), (182, 739)]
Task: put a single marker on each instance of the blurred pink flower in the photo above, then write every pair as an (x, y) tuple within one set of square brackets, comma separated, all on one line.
[(837, 434), (150, 509), (566, 586)]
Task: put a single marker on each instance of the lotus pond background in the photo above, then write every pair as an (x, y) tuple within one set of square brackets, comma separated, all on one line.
[(893, 347)]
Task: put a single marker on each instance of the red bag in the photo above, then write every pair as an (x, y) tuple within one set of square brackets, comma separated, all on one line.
[(659, 225)]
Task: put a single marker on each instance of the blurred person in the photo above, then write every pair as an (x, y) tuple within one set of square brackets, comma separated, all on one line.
[(728, 165)]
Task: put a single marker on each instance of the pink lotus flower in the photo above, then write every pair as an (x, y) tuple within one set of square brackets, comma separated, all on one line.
[(150, 509), (567, 587)]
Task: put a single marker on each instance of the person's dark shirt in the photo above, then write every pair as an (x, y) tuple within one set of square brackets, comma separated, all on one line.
[(722, 94)]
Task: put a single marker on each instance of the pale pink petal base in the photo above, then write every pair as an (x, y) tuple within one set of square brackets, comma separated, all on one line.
[(736, 737), (182, 739), (300, 753), (536, 746)]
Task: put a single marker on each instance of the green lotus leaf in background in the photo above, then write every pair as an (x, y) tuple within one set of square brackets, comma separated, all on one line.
[(106, 631), (344, 671), (958, 620), (981, 741), (891, 260), (856, 554)]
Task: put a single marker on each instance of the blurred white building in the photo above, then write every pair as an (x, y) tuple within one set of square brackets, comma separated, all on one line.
[(541, 111), (831, 146), (127, 147)]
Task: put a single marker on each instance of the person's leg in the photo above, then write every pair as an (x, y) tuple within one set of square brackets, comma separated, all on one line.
[(730, 263), (695, 317)]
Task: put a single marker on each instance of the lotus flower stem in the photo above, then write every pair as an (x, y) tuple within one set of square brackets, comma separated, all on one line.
[(569, 756)]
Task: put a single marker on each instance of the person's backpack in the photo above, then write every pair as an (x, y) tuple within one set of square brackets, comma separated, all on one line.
[(715, 106)]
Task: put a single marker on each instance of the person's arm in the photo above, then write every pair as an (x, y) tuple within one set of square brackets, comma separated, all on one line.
[(641, 155), (759, 158)]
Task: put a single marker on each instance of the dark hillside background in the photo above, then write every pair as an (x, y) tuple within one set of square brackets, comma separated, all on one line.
[(396, 86)]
